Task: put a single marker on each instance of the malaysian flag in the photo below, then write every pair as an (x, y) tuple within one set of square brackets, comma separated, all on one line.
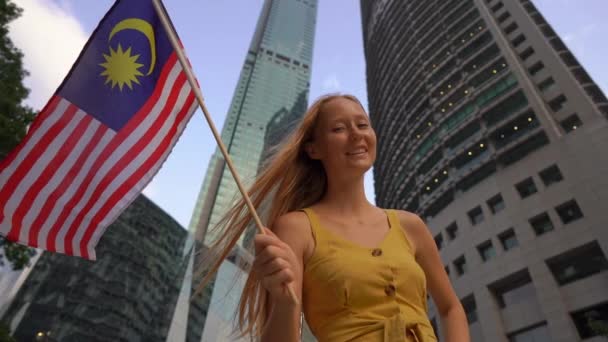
[(101, 137)]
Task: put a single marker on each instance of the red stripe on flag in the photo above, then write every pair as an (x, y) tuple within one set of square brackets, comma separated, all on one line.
[(46, 175), (124, 161), (63, 186), (114, 143), (124, 188), (23, 168), (40, 118)]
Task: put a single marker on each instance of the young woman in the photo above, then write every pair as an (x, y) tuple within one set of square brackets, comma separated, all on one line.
[(360, 272)]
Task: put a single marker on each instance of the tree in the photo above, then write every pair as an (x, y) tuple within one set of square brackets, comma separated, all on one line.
[(14, 116)]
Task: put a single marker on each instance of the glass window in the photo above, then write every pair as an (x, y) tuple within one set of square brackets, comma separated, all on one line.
[(571, 123), (516, 288), (537, 333), (557, 103), (497, 6), (489, 73), (526, 53), (461, 265), (503, 17), (439, 241), (512, 27), (452, 231), (496, 204), (476, 215), (569, 211), (546, 84), (541, 224), (518, 40), (470, 308), (508, 239), (526, 187), (536, 68), (589, 322), (511, 105), (578, 263), (551, 175), (486, 251)]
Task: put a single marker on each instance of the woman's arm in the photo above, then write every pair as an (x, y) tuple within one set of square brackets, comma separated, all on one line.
[(453, 318), (282, 253)]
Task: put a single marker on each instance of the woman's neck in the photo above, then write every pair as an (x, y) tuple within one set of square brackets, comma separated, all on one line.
[(346, 196)]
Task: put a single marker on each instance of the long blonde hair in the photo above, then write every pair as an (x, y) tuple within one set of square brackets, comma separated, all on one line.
[(289, 181)]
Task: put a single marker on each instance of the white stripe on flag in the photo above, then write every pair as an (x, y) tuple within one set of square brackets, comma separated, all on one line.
[(67, 195), (137, 189), (35, 171), (42, 198), (131, 167), (33, 141), (114, 157)]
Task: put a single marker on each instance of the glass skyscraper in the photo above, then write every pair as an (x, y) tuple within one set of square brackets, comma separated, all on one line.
[(271, 95), (490, 129), (275, 73)]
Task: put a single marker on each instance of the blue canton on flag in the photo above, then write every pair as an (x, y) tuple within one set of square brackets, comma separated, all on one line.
[(100, 139)]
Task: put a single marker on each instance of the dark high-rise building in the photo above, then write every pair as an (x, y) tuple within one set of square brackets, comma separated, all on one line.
[(128, 294), (491, 131)]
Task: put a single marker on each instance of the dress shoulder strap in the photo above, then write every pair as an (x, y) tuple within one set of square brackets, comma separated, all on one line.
[(393, 219), (317, 231), (396, 224)]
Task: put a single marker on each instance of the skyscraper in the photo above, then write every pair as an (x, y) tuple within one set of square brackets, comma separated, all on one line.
[(272, 89), (275, 72), (491, 131)]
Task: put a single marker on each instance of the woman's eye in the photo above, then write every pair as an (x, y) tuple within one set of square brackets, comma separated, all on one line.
[(337, 129), (363, 125)]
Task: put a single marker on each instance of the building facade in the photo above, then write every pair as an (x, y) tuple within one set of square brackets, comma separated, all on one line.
[(229, 282), (275, 72), (491, 131), (128, 294), (272, 88)]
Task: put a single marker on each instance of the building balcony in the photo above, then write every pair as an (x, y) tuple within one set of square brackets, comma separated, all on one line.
[(464, 144), (472, 165)]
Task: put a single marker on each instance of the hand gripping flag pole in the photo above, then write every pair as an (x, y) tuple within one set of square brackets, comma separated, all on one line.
[(199, 96)]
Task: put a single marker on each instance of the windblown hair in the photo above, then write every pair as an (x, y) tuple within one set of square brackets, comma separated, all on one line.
[(289, 181)]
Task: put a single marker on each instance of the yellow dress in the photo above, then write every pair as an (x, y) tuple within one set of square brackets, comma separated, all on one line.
[(355, 293)]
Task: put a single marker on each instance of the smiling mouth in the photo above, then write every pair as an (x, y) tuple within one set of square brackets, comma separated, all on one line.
[(357, 152)]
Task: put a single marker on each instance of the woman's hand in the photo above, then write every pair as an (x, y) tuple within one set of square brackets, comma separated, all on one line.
[(274, 264)]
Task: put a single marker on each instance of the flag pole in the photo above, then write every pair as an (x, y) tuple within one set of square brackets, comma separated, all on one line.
[(199, 96)]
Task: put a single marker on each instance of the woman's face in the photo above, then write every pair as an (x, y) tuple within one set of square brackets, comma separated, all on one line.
[(344, 140)]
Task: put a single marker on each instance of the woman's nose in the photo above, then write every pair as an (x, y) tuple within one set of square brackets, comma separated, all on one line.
[(356, 134)]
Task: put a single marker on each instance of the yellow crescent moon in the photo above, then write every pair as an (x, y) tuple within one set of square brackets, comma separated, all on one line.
[(143, 27)]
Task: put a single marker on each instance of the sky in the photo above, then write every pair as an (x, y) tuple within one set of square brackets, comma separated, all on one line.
[(216, 35)]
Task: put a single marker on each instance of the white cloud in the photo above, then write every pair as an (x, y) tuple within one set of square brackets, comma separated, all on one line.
[(331, 83), (50, 38)]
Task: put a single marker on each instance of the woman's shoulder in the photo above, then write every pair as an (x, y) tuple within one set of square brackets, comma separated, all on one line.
[(414, 226), (405, 215), (294, 229), (409, 220), (293, 223)]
